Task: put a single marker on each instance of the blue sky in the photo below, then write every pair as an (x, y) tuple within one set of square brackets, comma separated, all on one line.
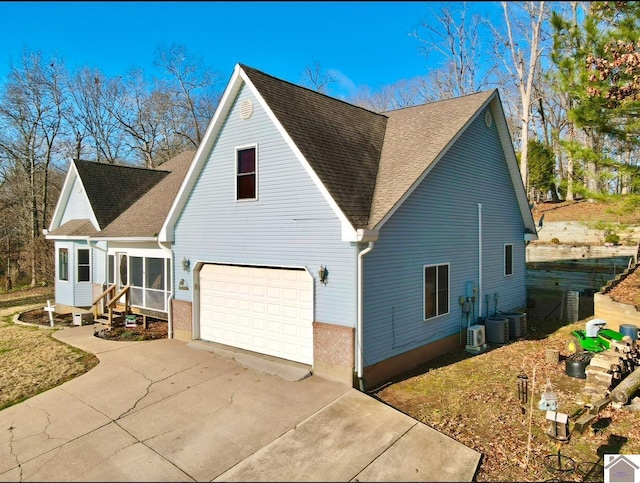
[(363, 43)]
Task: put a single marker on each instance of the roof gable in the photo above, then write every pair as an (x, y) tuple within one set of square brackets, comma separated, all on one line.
[(111, 189), (340, 141), (416, 139)]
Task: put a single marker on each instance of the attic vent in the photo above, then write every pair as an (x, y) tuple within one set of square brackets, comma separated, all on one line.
[(246, 109), (487, 118)]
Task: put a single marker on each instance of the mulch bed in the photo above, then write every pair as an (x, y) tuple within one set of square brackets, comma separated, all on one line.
[(156, 328), (41, 317)]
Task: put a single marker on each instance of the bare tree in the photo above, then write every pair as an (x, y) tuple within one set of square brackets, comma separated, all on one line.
[(314, 77), (31, 118), (96, 131), (524, 43), (192, 89), (456, 40)]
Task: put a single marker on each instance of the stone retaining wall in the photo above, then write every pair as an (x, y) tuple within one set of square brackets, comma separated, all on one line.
[(579, 233), (614, 313)]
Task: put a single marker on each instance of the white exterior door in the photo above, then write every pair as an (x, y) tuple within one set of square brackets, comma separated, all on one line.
[(265, 310)]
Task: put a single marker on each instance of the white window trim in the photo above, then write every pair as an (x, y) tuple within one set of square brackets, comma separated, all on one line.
[(77, 265), (424, 315), (504, 260), (58, 265), (235, 179)]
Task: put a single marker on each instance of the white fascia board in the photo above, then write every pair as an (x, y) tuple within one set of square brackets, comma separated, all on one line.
[(210, 136), (530, 237), (347, 227), (68, 237), (350, 234), (123, 239)]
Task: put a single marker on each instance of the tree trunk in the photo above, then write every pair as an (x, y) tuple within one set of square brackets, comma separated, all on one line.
[(627, 387)]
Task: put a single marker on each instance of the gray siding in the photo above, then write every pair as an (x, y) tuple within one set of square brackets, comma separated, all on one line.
[(438, 224), (78, 207), (291, 224)]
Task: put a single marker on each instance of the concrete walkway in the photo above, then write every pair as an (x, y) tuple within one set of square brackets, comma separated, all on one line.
[(164, 411)]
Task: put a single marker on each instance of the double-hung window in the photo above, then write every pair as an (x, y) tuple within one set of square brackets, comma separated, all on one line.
[(84, 265), (246, 173), (436, 290), (63, 264), (508, 260)]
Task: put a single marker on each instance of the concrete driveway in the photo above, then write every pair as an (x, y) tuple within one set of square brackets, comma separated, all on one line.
[(165, 410)]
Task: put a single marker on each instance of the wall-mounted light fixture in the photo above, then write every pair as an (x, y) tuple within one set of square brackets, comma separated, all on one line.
[(186, 264), (323, 273)]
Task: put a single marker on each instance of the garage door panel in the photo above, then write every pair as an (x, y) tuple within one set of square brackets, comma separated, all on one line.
[(259, 309)]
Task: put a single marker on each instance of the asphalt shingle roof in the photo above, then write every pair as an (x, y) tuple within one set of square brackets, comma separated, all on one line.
[(112, 189), (416, 136), (367, 161), (341, 142), (145, 217), (81, 227)]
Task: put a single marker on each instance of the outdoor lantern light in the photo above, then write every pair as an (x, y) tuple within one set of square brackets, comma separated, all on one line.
[(186, 264), (523, 387), (323, 273)]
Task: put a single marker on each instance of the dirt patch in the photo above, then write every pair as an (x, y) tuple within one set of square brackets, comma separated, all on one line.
[(621, 211), (40, 317), (474, 400), (156, 329)]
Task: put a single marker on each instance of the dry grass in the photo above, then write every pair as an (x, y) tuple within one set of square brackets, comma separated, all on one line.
[(473, 399), (32, 360)]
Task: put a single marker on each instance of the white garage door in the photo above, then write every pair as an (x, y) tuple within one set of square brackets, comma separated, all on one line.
[(266, 310)]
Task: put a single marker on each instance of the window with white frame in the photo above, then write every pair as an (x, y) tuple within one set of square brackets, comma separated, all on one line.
[(508, 259), (83, 265), (246, 173), (63, 264), (436, 290), (111, 274)]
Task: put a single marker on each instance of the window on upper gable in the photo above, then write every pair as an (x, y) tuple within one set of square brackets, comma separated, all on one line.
[(508, 260), (246, 173), (63, 264), (84, 266), (436, 290)]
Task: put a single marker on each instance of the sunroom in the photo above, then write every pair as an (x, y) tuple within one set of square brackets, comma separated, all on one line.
[(147, 273)]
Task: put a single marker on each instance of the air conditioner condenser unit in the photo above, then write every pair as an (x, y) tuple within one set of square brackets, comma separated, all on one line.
[(476, 340)]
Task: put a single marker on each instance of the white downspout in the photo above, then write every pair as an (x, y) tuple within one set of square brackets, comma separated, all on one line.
[(359, 358), (170, 299), (479, 260)]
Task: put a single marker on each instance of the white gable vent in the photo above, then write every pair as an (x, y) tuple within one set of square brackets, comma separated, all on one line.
[(246, 109), (488, 118)]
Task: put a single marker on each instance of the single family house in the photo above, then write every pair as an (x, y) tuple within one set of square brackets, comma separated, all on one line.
[(314, 230)]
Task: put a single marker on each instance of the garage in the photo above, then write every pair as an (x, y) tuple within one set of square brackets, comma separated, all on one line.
[(261, 309)]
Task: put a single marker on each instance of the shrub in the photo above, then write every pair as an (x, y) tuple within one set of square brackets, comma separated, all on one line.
[(555, 241), (612, 238)]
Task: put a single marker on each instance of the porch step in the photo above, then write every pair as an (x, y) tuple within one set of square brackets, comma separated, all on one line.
[(118, 319)]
